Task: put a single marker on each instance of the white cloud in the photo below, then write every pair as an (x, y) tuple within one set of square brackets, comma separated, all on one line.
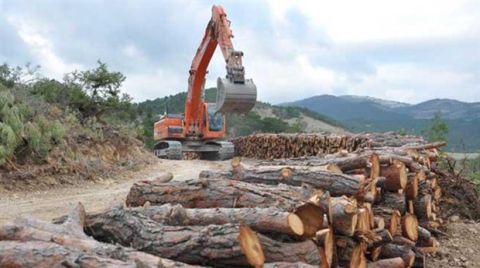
[(322, 47)]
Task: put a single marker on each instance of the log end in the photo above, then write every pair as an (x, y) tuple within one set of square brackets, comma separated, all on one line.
[(251, 247), (295, 224)]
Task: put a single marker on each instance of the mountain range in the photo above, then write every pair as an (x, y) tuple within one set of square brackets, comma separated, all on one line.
[(361, 113)]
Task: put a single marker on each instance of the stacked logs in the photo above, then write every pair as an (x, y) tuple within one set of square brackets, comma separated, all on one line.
[(271, 146), (374, 207), (370, 208)]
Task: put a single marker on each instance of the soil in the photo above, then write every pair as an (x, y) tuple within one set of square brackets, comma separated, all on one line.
[(96, 195), (461, 248)]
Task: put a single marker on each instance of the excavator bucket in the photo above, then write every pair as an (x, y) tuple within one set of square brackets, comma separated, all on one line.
[(235, 97)]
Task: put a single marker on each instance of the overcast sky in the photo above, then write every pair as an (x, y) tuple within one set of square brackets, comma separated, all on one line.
[(407, 51)]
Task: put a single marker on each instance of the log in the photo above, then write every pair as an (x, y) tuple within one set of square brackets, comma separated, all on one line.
[(349, 252), (395, 201), (388, 263), (392, 217), (411, 190), (325, 239), (45, 254), (250, 246), (268, 219), (410, 226), (395, 174), (71, 237), (214, 193), (385, 238), (423, 207), (317, 177), (420, 260), (344, 215), (311, 217), (394, 251), (211, 245), (288, 265)]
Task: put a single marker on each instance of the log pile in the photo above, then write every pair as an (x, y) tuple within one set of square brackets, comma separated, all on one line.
[(272, 146), (375, 206)]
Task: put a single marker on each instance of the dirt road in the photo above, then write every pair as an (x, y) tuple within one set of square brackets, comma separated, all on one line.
[(96, 196)]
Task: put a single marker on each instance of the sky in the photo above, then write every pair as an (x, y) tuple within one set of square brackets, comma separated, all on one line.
[(408, 51)]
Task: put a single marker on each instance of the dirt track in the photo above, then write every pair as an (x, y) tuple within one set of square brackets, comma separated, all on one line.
[(96, 196)]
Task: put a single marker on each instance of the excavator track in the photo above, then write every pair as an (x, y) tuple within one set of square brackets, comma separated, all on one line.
[(169, 150), (225, 151)]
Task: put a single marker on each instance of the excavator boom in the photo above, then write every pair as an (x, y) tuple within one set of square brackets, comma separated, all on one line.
[(234, 92)]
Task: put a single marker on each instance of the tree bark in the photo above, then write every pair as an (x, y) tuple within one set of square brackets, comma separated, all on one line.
[(423, 207), (45, 254), (394, 201), (396, 176), (268, 219), (71, 237), (344, 215), (208, 245), (317, 177), (214, 193), (388, 263), (392, 251)]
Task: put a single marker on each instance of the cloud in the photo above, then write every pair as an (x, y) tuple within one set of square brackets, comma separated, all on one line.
[(409, 51)]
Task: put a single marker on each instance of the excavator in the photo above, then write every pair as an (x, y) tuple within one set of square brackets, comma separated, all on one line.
[(202, 127)]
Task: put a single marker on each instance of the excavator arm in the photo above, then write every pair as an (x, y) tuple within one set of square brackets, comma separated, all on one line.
[(234, 93)]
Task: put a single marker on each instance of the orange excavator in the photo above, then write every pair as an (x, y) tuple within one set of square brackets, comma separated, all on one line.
[(202, 128)]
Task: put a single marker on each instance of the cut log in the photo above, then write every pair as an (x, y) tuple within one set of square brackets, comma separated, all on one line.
[(217, 193), (324, 238), (423, 207), (311, 217), (379, 222), (425, 238), (392, 217), (385, 238), (393, 251), (396, 176), (395, 201), (260, 219), (420, 260), (374, 253), (45, 254), (410, 226), (317, 177), (388, 263), (411, 190), (212, 245), (363, 220), (349, 252), (250, 246), (344, 215), (288, 265), (71, 237)]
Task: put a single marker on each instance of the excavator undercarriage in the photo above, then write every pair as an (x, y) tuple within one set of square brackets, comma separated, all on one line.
[(207, 150)]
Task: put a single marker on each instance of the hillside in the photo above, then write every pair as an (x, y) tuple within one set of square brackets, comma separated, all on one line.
[(263, 118), (359, 113)]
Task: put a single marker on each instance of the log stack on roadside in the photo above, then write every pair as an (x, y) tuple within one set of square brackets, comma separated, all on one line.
[(373, 206)]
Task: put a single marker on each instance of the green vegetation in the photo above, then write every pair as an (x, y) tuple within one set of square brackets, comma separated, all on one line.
[(37, 113), (438, 130)]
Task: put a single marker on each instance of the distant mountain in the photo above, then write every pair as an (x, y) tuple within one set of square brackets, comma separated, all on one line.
[(450, 109), (361, 113)]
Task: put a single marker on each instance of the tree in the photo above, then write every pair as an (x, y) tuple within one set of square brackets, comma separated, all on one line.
[(103, 89), (439, 129)]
